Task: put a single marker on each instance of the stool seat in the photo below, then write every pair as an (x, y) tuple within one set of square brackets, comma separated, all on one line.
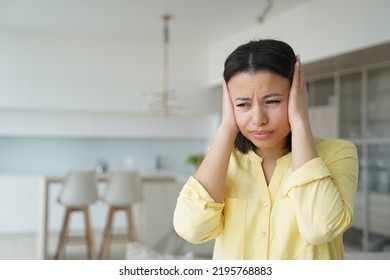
[(78, 192), (122, 192)]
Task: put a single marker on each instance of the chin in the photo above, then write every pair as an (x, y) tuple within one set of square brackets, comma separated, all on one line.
[(268, 143)]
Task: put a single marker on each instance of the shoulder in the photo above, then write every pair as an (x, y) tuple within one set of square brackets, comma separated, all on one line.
[(332, 143), (331, 147), (240, 162), (238, 159), (244, 159)]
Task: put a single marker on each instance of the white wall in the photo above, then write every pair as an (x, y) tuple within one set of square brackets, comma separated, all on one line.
[(71, 85), (27, 123), (61, 71), (32, 155), (316, 30)]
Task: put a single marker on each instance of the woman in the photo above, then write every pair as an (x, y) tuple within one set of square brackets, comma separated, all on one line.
[(267, 189)]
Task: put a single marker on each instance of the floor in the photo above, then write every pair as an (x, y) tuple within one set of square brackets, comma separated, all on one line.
[(23, 247)]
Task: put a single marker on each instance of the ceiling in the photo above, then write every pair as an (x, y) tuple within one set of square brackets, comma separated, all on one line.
[(193, 20)]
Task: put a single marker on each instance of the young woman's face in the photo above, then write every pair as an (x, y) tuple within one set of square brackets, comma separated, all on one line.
[(260, 102)]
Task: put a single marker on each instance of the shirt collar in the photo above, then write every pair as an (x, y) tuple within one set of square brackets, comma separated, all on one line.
[(256, 158)]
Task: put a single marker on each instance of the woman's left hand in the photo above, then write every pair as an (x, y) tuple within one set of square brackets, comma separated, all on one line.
[(303, 146), (298, 103)]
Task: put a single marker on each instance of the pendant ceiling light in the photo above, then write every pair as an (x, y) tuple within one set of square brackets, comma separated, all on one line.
[(264, 13), (164, 102)]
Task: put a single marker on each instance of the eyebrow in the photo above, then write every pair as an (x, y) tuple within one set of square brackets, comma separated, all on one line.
[(274, 94), (242, 99)]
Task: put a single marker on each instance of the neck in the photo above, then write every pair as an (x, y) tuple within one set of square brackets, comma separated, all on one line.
[(268, 154)]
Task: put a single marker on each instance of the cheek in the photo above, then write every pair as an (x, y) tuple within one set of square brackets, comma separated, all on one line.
[(284, 112), (281, 116), (241, 119)]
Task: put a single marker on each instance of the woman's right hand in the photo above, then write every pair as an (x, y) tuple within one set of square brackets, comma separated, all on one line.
[(212, 171), (228, 117)]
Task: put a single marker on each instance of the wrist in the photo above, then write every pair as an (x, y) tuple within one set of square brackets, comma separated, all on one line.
[(229, 131), (300, 123)]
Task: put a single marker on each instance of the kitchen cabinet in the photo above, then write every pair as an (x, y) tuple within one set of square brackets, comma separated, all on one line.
[(323, 110), (378, 101), (360, 98), (323, 120), (378, 212)]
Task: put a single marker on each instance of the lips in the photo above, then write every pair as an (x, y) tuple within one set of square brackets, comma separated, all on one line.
[(261, 134)]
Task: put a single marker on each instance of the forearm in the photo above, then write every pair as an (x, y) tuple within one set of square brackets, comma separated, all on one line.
[(303, 148), (196, 217), (302, 144), (322, 194), (320, 212), (212, 171)]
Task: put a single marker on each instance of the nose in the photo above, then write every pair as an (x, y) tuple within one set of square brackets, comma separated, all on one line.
[(259, 116)]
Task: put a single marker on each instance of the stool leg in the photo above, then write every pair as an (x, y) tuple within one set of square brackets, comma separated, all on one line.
[(107, 235), (89, 235), (63, 235), (132, 233)]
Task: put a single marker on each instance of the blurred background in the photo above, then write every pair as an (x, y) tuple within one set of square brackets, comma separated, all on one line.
[(135, 84)]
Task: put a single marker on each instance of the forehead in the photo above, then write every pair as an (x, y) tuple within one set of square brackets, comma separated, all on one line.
[(258, 81)]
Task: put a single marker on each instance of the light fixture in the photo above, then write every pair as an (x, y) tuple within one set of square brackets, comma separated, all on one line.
[(265, 12), (164, 102)]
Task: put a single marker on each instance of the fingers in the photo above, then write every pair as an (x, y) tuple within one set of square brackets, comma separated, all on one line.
[(224, 88), (302, 76), (226, 97), (296, 76), (298, 98), (227, 109), (299, 79), (225, 94)]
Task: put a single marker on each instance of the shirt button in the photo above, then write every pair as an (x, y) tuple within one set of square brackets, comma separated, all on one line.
[(265, 204), (328, 227), (264, 234)]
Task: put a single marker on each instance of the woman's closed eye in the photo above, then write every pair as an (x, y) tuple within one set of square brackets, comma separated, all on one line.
[(273, 102), (242, 105)]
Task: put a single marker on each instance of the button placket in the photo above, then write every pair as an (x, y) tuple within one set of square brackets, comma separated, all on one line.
[(264, 233)]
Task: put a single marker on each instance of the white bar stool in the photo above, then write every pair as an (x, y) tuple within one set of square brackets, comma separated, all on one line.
[(78, 192), (123, 190)]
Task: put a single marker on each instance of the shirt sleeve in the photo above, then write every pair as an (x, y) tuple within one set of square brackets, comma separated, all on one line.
[(197, 217), (322, 193)]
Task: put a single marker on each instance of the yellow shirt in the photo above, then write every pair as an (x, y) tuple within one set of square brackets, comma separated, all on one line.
[(299, 215)]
